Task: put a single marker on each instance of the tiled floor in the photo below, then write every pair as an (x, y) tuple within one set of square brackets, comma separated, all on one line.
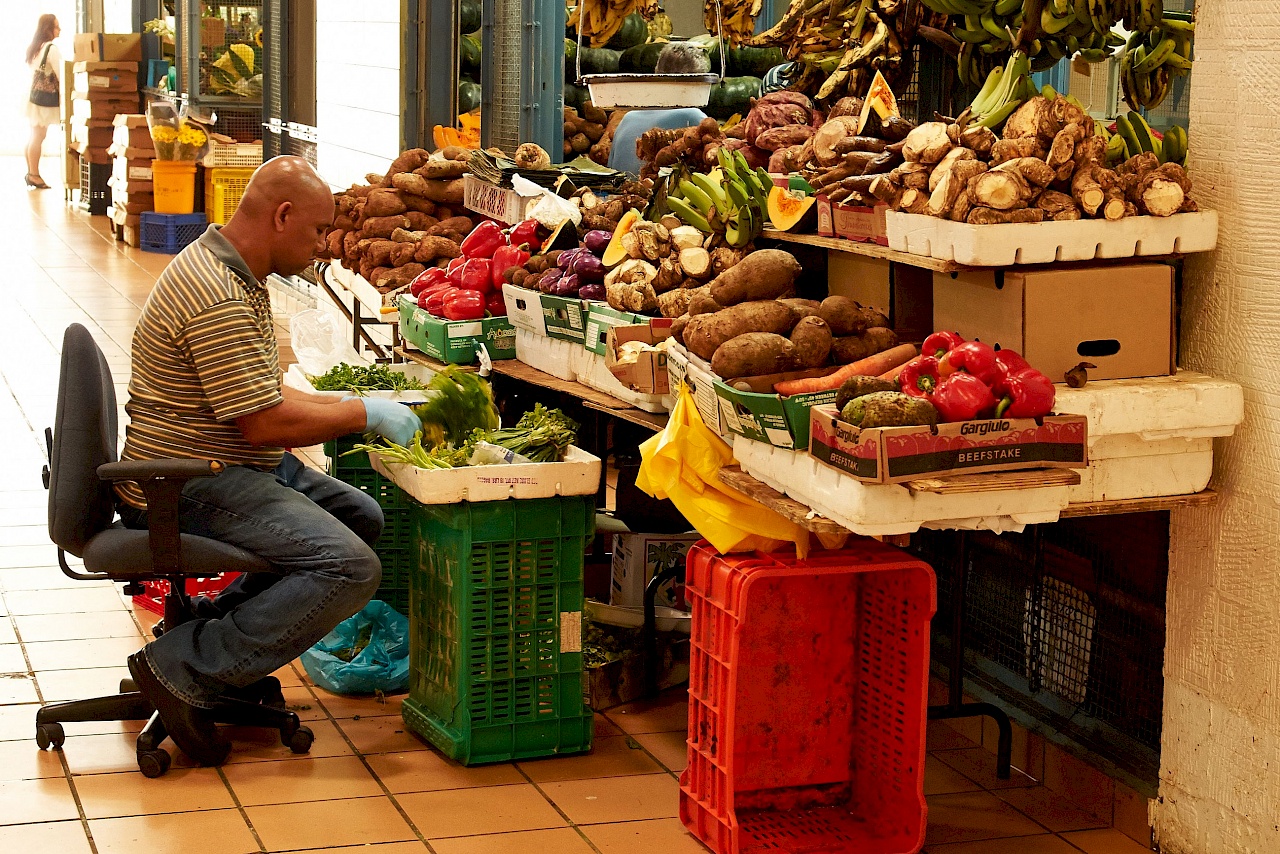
[(368, 785)]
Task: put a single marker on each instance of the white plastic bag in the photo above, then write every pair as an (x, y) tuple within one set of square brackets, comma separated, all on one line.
[(320, 342), (550, 210)]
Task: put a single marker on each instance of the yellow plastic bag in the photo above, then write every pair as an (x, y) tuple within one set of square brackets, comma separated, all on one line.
[(681, 463)]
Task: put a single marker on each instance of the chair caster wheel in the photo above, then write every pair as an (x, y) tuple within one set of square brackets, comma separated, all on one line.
[(128, 686), (158, 629), (300, 741), (50, 735), (153, 763)]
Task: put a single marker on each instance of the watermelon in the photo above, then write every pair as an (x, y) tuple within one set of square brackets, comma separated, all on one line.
[(600, 60), (469, 12), (641, 59), (575, 96), (732, 96), (753, 61), (469, 55), (634, 31), (468, 97)]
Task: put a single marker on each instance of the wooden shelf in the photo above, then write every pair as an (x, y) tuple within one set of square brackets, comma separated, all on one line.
[(518, 370), (788, 508), (655, 421), (420, 358), (867, 250), (1207, 498)]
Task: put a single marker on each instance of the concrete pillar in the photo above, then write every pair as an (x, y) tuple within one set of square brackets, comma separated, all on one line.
[(1220, 763)]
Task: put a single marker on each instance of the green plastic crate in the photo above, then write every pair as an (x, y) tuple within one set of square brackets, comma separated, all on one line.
[(395, 546), (495, 628)]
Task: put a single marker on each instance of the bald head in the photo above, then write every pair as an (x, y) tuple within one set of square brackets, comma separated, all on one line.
[(282, 217)]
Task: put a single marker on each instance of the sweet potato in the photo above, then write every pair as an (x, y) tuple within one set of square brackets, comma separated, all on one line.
[(418, 203), (677, 328), (765, 274), (419, 221), (383, 226), (452, 225), (702, 303), (706, 332), (442, 169), (406, 162), (752, 354), (378, 253), (854, 348), (432, 247), (444, 192), (335, 243), (848, 317), (812, 339), (383, 203)]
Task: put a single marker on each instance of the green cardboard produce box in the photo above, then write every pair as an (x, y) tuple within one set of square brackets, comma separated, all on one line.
[(771, 418), (564, 318), (455, 341), (600, 316)]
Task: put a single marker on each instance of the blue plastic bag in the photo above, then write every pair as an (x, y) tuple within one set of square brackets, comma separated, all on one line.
[(366, 652)]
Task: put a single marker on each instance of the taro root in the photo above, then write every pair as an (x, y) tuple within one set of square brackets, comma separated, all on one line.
[(991, 216), (928, 143), (954, 181), (1000, 190), (1036, 172), (978, 139), (944, 165)]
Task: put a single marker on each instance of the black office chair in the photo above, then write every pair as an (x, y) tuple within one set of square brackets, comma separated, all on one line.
[(82, 470)]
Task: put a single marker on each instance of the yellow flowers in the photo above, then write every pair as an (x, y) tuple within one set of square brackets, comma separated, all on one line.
[(191, 136), (164, 134), (178, 143)]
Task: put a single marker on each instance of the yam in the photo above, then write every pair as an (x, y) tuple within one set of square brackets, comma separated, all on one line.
[(1012, 149), (677, 328), (812, 339), (853, 348), (1034, 170), (406, 162), (378, 253), (765, 274), (419, 221), (433, 247), (444, 192), (383, 226), (927, 143), (349, 241), (706, 332), (1000, 190), (696, 262), (952, 157), (991, 216), (849, 317), (700, 301), (452, 225), (409, 182), (752, 354), (978, 139), (1064, 145), (832, 131), (421, 204), (669, 276), (334, 245), (383, 203), (803, 307), (953, 183)]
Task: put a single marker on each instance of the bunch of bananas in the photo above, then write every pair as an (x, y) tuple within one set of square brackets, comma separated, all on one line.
[(732, 200), (1133, 136), (1003, 92), (1152, 58), (600, 20), (839, 45), (734, 19)]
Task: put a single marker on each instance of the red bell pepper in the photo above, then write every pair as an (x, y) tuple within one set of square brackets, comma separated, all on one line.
[(961, 397), (454, 271), (940, 343), (435, 301), (484, 240), (464, 305), (425, 279), (477, 275), (1026, 394), (1008, 363), (972, 357), (496, 305), (526, 234), (920, 377), (504, 259), (426, 293)]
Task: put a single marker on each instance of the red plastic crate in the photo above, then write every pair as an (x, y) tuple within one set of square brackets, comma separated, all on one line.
[(808, 690), (153, 599)]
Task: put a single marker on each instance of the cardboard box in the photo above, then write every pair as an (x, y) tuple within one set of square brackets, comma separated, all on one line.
[(767, 417), (122, 185), (859, 278), (648, 373), (108, 47), (563, 318), (130, 120), (638, 557), (106, 81), (130, 171), (133, 203), (138, 156), (900, 454), (1121, 318), (860, 224), (82, 109), (122, 216), (137, 139), (96, 137), (104, 68), (455, 341), (601, 316), (501, 203), (90, 154)]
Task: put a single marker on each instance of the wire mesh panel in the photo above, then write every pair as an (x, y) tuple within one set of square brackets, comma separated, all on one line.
[(274, 99), (503, 75)]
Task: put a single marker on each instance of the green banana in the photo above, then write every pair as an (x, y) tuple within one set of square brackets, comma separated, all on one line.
[(1094, 55), (1175, 145), (685, 211), (995, 30), (1051, 24), (1180, 65), (1173, 25), (1048, 92), (1125, 130), (1117, 150), (737, 192), (1004, 8), (1155, 58), (993, 120), (696, 197), (1146, 140), (714, 191)]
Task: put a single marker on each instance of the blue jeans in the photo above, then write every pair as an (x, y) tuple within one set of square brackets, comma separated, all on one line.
[(316, 532)]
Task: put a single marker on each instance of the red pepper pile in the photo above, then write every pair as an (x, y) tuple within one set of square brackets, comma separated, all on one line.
[(965, 380), (471, 285)]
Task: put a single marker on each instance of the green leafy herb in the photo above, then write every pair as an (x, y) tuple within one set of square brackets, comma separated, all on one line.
[(360, 379), (463, 402)]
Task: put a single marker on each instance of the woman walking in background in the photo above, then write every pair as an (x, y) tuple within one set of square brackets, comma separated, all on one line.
[(45, 61)]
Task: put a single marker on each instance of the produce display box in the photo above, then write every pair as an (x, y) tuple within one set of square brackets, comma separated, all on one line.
[(767, 417), (108, 47), (1046, 242), (594, 372), (155, 590), (852, 222), (112, 79), (560, 359), (501, 203), (648, 374), (901, 454), (601, 316), (791, 751), (683, 366), (563, 318), (1151, 437), (882, 509), (245, 155), (130, 171), (362, 290), (94, 191), (637, 558), (223, 188), (1122, 319), (105, 109), (455, 341), (170, 233), (495, 615), (577, 474), (295, 377)]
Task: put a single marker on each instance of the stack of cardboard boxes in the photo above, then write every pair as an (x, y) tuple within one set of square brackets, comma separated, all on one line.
[(131, 183), (105, 83)]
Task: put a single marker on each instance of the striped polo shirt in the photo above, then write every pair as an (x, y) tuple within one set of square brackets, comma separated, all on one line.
[(204, 354)]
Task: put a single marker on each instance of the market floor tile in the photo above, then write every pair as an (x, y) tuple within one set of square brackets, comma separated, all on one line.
[(369, 785)]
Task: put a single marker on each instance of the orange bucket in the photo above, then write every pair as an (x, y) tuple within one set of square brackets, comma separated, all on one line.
[(174, 186)]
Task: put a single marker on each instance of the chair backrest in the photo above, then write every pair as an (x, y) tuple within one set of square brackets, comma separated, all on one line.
[(622, 156), (84, 437)]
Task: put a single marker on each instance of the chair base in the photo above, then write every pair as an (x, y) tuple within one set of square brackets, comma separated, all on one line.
[(259, 705)]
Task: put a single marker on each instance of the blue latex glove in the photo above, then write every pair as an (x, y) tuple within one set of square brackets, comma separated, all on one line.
[(392, 421)]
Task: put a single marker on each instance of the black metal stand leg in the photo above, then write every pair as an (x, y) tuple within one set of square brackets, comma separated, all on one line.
[(956, 707), (649, 634)]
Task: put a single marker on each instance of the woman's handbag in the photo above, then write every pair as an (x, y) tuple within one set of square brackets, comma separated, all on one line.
[(44, 83)]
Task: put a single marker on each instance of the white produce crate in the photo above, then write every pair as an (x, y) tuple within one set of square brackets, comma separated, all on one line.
[(1151, 437), (592, 371), (578, 474), (683, 365), (884, 509), (295, 377), (650, 91), (367, 294), (549, 355), (1045, 242)]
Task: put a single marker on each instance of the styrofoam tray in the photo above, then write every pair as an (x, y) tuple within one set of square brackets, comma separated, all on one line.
[(295, 377), (593, 372), (632, 616), (579, 474), (884, 509), (1046, 242), (1153, 436), (650, 90), (549, 355), (367, 295), (683, 365)]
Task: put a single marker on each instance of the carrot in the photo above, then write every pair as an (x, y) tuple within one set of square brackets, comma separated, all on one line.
[(893, 375), (871, 366)]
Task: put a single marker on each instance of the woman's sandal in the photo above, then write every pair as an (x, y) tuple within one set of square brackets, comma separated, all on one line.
[(35, 182)]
